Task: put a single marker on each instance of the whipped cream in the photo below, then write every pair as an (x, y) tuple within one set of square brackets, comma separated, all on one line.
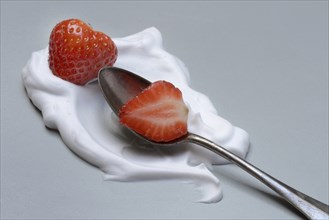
[(90, 129)]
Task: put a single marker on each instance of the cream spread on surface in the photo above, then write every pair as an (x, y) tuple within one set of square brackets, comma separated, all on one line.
[(89, 128)]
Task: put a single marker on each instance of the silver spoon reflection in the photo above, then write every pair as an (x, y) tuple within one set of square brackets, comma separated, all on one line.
[(119, 86)]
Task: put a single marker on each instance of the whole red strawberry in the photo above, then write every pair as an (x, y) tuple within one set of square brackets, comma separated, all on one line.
[(77, 52)]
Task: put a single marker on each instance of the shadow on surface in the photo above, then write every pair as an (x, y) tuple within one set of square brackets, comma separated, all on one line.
[(255, 188)]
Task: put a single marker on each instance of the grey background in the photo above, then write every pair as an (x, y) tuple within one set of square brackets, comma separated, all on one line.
[(264, 64)]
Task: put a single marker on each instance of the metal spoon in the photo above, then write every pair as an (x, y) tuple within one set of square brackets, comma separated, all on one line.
[(119, 86)]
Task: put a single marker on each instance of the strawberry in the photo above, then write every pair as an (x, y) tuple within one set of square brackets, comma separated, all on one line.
[(77, 52), (157, 113)]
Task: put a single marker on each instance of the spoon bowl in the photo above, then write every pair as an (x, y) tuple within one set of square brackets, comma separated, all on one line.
[(119, 86)]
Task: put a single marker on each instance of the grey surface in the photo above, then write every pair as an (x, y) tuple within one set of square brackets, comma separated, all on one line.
[(264, 64)]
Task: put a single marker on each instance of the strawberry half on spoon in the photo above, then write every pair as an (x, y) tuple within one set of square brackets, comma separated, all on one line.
[(157, 113)]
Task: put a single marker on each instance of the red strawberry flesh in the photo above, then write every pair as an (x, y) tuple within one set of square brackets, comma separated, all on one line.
[(157, 113)]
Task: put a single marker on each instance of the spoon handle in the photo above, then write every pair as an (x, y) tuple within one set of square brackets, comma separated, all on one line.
[(311, 208)]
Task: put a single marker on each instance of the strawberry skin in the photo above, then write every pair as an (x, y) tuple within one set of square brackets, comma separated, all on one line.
[(77, 52), (157, 113)]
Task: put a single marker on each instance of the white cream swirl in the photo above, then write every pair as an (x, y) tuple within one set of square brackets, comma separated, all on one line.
[(90, 129)]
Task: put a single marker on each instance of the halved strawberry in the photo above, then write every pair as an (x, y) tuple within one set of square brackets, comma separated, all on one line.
[(77, 52), (157, 113)]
